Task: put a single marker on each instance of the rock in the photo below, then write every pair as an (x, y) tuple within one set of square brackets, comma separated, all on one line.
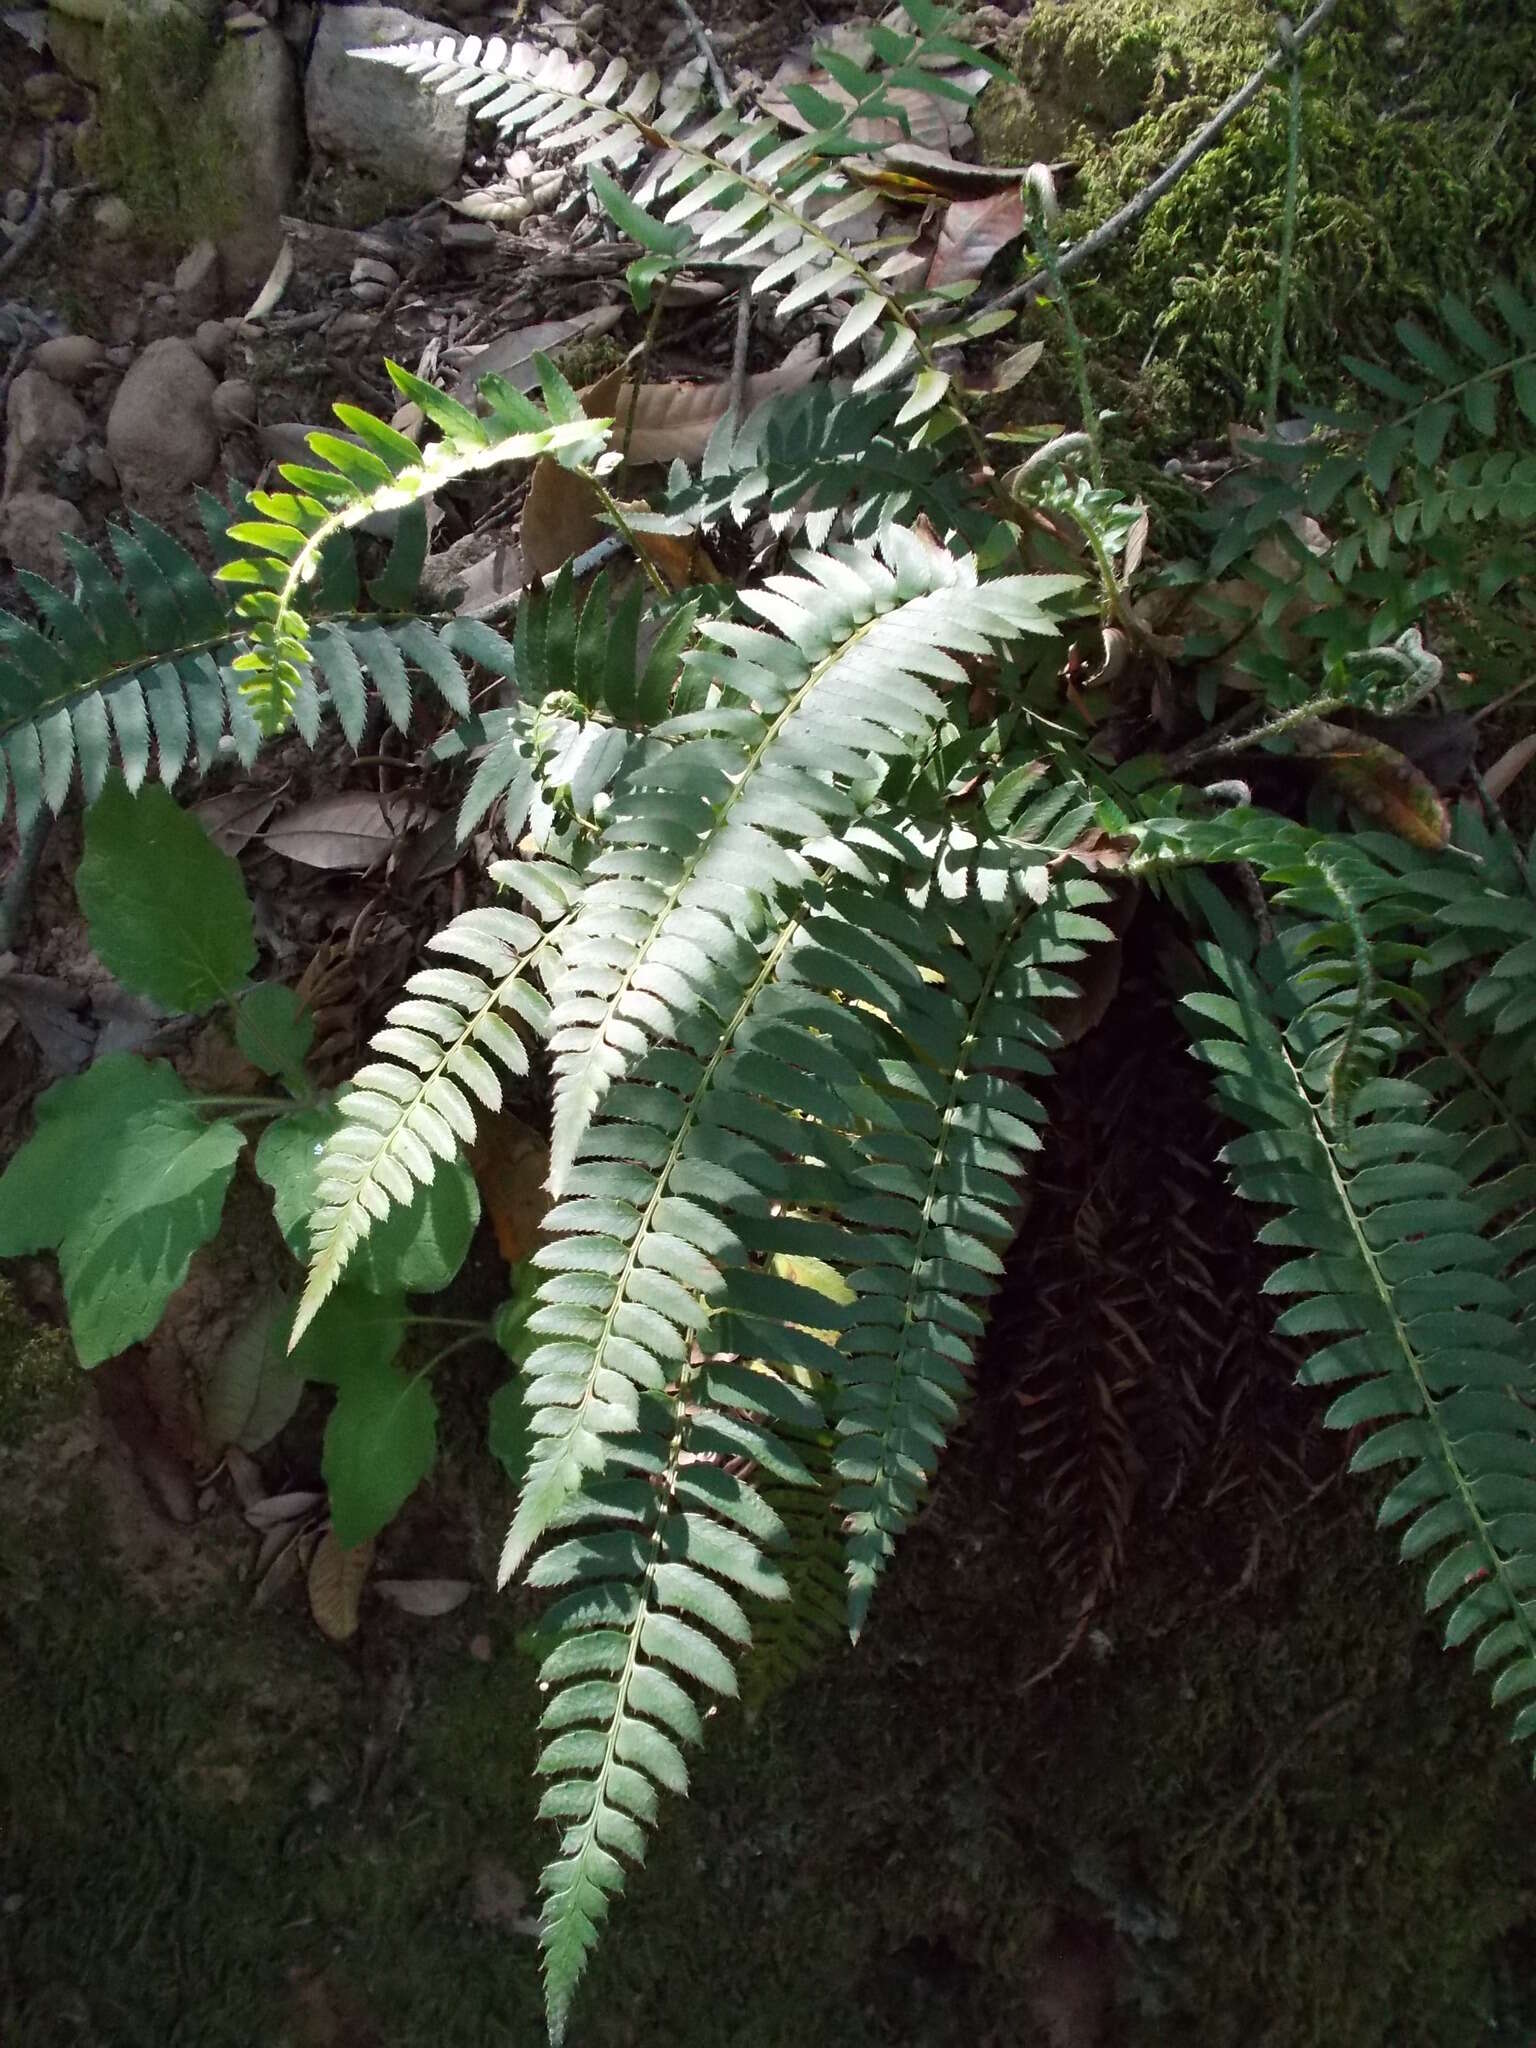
[(252, 99), (45, 92), (69, 357), (161, 433), (44, 423), (32, 524), (112, 218), (62, 207), (196, 283), (234, 405), (15, 206), (374, 117), (211, 342)]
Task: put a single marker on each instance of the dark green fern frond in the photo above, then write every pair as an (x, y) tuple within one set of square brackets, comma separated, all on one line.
[(413, 1105), (787, 744), (792, 1636), (1403, 1266), (820, 460), (787, 208), (379, 471)]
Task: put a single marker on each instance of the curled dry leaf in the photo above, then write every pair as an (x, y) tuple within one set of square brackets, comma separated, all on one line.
[(278, 1508), (1512, 762), (336, 1580), (673, 422), (427, 1598), (233, 818), (354, 829), (511, 1163), (973, 232), (1378, 781)]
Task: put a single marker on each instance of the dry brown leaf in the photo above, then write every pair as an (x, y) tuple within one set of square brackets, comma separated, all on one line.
[(427, 1598), (560, 513), (973, 232), (511, 355), (511, 1163), (354, 829), (675, 421), (233, 818), (1512, 762), (680, 559), (1378, 781), (336, 1580)]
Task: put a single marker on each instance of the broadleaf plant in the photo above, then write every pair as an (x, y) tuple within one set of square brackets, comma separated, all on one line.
[(804, 874)]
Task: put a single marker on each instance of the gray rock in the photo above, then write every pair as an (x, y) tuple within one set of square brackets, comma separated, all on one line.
[(161, 433), (43, 422), (252, 104), (69, 357), (212, 342), (15, 206), (112, 217), (32, 524), (374, 117), (234, 405), (196, 283)]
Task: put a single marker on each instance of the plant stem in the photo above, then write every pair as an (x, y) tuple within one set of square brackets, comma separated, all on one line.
[(267, 1105), (640, 362), (610, 505), (1077, 355), (1287, 248), (476, 1323)]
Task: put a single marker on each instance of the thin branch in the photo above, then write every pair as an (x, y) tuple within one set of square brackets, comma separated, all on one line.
[(724, 97), (738, 392), (1078, 253)]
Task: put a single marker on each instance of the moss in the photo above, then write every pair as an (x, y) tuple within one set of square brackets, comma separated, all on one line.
[(158, 140), (39, 1379), (1418, 131)]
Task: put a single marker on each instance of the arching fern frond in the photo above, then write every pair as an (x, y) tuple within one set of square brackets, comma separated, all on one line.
[(785, 207), (788, 745), (792, 1636), (413, 1105), (1405, 1256), (378, 471)]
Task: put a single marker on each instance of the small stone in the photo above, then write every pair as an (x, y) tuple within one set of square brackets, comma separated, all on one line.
[(15, 206), (348, 325), (113, 217), (371, 294), (196, 283), (45, 93), (44, 423), (371, 270), (374, 117), (234, 405), (69, 357), (211, 342), (590, 19), (62, 207), (480, 1649), (100, 465), (161, 432), (32, 526)]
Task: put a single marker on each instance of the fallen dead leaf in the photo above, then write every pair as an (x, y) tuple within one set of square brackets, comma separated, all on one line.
[(336, 1580), (354, 829), (236, 816), (1512, 762), (973, 232), (427, 1598), (1379, 781), (511, 1163), (675, 421), (279, 1508), (511, 355)]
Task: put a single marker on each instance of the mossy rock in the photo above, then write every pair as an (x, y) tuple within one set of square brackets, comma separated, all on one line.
[(1419, 129)]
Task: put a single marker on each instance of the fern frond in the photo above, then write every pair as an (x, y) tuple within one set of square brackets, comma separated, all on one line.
[(1404, 1264), (379, 471), (823, 461), (413, 1105), (792, 1636), (788, 209), (790, 744)]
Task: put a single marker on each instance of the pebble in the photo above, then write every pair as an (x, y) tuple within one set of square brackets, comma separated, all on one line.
[(62, 206), (113, 217), (15, 205), (196, 283), (43, 422), (69, 357), (32, 526), (160, 431), (369, 270), (371, 294), (211, 342), (234, 405), (345, 325), (45, 93)]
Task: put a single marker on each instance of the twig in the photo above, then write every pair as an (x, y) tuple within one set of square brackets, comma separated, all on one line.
[(37, 213), (723, 95), (1079, 253), (738, 395)]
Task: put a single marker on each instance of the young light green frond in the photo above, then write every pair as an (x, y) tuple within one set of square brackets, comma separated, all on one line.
[(415, 1103), (1409, 1257), (378, 471), (788, 744)]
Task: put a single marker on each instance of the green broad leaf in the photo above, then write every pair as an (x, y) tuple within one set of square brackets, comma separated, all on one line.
[(632, 219), (380, 1443), (274, 1029), (352, 1332), (125, 1181), (167, 912), (507, 1432), (416, 1249)]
